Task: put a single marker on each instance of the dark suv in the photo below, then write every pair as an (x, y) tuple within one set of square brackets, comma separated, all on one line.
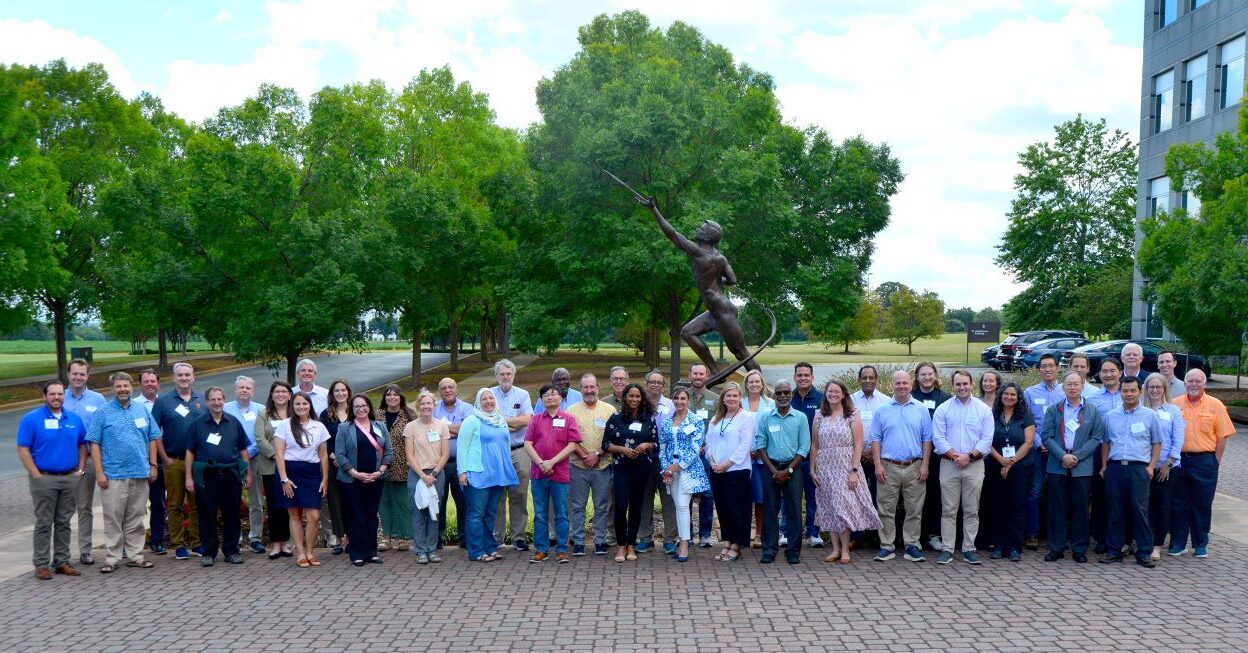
[(1011, 346)]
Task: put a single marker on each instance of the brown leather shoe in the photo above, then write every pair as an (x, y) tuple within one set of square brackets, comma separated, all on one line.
[(43, 573), (68, 570)]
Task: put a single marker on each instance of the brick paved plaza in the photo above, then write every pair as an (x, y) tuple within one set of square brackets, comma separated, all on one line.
[(655, 603)]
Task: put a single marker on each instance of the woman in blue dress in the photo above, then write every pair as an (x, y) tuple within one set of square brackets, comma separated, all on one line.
[(485, 473), (681, 436)]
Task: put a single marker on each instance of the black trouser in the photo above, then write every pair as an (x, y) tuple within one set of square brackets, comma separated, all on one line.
[(279, 519), (1097, 515), (363, 500), (337, 505), (785, 496), (629, 481), (932, 509), (455, 492), (1160, 500), (732, 495), (156, 496), (1068, 512), (1126, 493), (221, 491), (1004, 502)]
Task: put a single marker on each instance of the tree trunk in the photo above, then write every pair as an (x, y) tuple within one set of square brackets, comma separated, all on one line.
[(504, 333), (416, 358), (846, 347), (162, 347), (650, 349), (291, 361), (58, 328), (454, 343), (674, 326), (910, 348), (485, 337)]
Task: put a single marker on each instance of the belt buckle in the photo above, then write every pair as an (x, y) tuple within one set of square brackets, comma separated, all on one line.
[(1124, 463)]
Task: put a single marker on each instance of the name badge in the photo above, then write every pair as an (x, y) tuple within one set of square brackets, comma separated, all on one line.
[(635, 426), (701, 414), (1072, 425), (689, 429), (774, 428), (274, 422), (92, 409), (1163, 416), (558, 422), (1137, 427), (929, 404), (708, 402), (1007, 451), (182, 410), (376, 431), (434, 436), (1040, 401), (141, 422), (600, 423), (249, 417), (213, 438), (52, 424)]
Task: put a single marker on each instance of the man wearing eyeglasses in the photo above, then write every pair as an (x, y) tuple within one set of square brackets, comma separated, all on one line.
[(782, 442)]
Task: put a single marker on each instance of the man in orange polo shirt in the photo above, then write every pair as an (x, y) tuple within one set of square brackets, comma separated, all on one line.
[(1196, 480)]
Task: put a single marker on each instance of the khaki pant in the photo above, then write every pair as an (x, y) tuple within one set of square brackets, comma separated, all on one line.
[(180, 520), (903, 481), (84, 500), (125, 505), (960, 488), (517, 501)]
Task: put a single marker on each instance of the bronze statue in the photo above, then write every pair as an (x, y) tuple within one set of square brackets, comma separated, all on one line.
[(711, 273)]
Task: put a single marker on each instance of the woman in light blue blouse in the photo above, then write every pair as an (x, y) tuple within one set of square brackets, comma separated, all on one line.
[(485, 473), (1172, 425), (681, 436)]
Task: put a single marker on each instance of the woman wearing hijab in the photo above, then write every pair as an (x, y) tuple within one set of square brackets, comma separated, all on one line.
[(485, 473)]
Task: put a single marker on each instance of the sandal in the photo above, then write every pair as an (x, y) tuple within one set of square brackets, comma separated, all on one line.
[(733, 555), (108, 569), (313, 561), (483, 558), (303, 563), (141, 564), (723, 555), (846, 560), (497, 556)]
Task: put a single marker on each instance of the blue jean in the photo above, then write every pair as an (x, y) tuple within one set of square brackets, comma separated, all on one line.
[(1195, 482), (479, 522), (156, 496), (544, 492), (808, 488), (1041, 461)]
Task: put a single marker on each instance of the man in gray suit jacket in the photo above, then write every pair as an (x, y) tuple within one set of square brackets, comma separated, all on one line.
[(1073, 431)]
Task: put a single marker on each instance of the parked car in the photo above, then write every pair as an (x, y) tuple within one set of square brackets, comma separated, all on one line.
[(1028, 356), (1004, 360), (988, 354), (1099, 351)]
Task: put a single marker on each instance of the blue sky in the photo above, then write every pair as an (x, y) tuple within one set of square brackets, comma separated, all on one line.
[(956, 87)]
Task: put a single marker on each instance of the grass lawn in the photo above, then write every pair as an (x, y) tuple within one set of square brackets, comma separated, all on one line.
[(951, 347)]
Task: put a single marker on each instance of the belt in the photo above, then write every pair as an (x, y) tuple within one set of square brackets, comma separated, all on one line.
[(901, 463), (1129, 462), (517, 446), (72, 471), (1198, 453)]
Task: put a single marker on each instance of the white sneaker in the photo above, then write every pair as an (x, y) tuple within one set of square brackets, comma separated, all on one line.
[(816, 542), (784, 541), (934, 544)]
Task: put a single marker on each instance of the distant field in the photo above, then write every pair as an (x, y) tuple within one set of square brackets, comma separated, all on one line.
[(20, 358), (98, 346)]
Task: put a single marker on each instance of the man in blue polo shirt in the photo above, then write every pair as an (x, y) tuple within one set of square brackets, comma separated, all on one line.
[(806, 398), (217, 468), (175, 413), (782, 442), (246, 412), (83, 402), (1132, 444), (52, 447)]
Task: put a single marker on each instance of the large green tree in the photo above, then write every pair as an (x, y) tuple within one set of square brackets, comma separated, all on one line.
[(87, 137), (673, 114), (1197, 265), (1071, 221), (913, 316)]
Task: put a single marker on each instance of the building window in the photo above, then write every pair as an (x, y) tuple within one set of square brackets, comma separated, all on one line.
[(1158, 195), (1163, 101), (1169, 10), (1197, 4), (1232, 70), (1190, 203), (1197, 73)]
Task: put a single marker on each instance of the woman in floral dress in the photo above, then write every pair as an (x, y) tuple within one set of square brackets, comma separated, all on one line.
[(841, 492)]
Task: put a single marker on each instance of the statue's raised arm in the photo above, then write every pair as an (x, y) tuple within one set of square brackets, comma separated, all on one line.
[(686, 245)]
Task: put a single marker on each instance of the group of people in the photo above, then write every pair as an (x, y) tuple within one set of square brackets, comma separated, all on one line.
[(1124, 464)]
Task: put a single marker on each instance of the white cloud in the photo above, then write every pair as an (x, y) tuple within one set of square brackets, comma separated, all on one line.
[(223, 16), (37, 43)]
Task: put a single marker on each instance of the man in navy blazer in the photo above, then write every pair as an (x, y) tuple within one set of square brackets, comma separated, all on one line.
[(1073, 431)]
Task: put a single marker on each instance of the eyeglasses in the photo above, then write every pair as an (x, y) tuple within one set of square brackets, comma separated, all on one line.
[(654, 383)]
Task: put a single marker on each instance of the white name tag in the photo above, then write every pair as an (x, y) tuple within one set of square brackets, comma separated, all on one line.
[(689, 429), (558, 422), (702, 414), (434, 436), (182, 410), (929, 404), (249, 417), (376, 431), (52, 424), (635, 426), (1007, 451), (1163, 416), (600, 423), (274, 422), (774, 428), (214, 438), (708, 402), (141, 422), (1040, 401), (92, 409), (1072, 425), (1137, 427)]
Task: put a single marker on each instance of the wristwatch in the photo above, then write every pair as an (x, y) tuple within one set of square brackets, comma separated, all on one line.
[(285, 481), (790, 471)]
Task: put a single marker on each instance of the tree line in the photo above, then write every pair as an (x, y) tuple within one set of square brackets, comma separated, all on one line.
[(273, 226)]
